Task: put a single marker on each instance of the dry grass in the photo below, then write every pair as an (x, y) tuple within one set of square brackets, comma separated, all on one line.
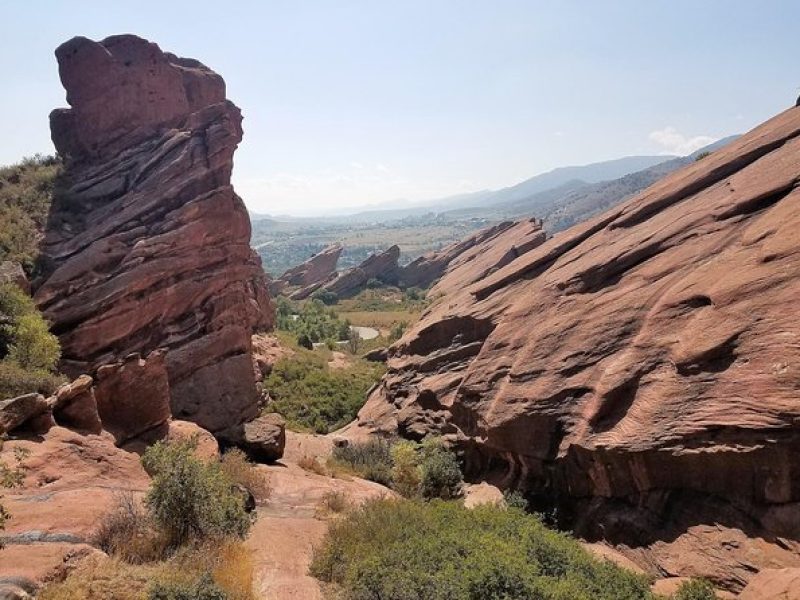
[(236, 466), (102, 578), (334, 502), (309, 463), (128, 533), (109, 578)]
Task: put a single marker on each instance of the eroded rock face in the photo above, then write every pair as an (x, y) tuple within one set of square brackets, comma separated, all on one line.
[(637, 366), (147, 245)]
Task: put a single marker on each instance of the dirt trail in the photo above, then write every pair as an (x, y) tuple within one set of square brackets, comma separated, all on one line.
[(291, 523)]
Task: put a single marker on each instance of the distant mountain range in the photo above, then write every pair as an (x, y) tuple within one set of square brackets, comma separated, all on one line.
[(561, 197)]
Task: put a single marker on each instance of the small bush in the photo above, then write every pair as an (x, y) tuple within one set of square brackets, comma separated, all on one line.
[(203, 588), (334, 502), (373, 283), (404, 550), (305, 342), (515, 500), (189, 498), (440, 475), (28, 351), (695, 589), (370, 460), (406, 476), (701, 156), (127, 532), (326, 297), (239, 469)]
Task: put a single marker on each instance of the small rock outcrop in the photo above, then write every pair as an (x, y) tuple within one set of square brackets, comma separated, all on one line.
[(147, 245), (310, 274), (382, 266), (638, 371), (265, 437), (16, 412)]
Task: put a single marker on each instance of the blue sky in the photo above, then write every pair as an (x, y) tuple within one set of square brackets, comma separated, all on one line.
[(349, 103)]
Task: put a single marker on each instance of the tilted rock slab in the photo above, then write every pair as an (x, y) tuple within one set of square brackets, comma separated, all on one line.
[(147, 245), (637, 367), (382, 266), (432, 266), (313, 272)]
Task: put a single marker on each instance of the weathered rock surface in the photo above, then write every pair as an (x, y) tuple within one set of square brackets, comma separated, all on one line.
[(70, 480), (74, 406), (133, 395), (313, 272), (15, 412), (382, 266), (640, 370), (265, 437), (147, 245), (428, 268), (773, 584)]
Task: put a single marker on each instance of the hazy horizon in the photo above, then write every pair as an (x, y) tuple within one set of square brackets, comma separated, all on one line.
[(353, 104)]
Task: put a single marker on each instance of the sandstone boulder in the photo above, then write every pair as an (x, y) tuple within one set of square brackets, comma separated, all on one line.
[(74, 406), (147, 245), (773, 584), (639, 370), (265, 437), (18, 411), (133, 395)]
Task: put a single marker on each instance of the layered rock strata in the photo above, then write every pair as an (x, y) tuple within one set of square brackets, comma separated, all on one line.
[(147, 244), (640, 371)]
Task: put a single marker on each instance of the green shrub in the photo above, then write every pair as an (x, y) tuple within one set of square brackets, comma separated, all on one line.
[(190, 498), (370, 460), (440, 475), (406, 476), (313, 397), (515, 500), (33, 347), (403, 550), (26, 190), (695, 589), (312, 319), (15, 381), (28, 351), (203, 588), (397, 331), (326, 297), (373, 283), (701, 156)]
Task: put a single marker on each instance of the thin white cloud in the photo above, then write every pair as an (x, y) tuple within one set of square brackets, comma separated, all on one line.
[(674, 142)]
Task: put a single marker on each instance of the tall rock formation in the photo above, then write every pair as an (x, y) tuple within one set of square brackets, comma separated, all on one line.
[(640, 371), (147, 245)]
